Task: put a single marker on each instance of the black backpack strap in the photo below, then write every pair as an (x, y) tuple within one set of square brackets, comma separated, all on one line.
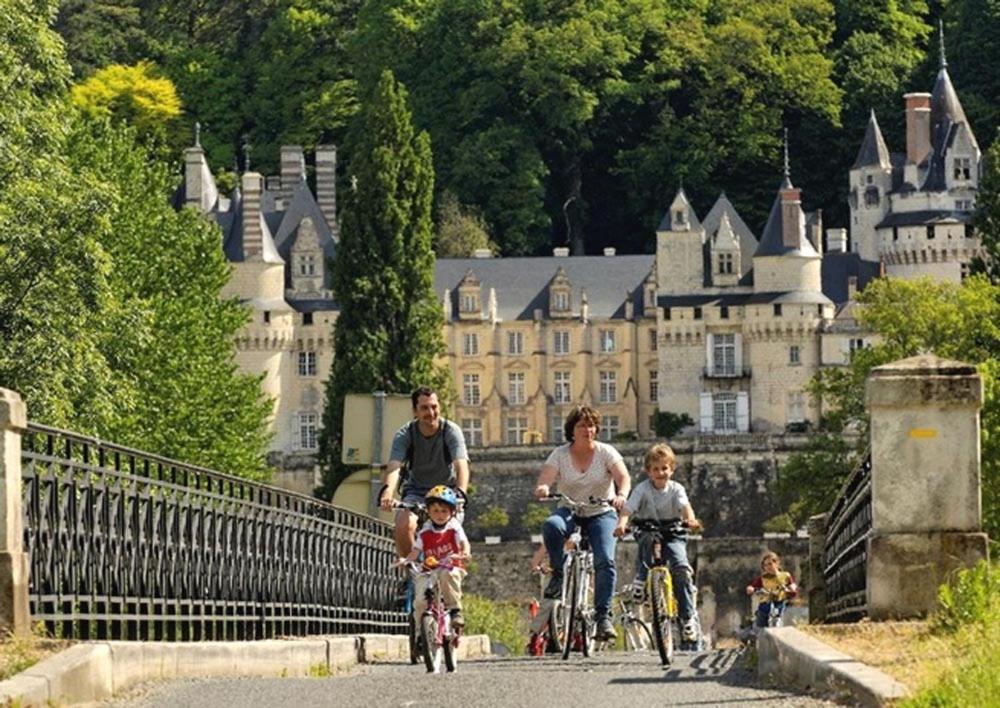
[(444, 442)]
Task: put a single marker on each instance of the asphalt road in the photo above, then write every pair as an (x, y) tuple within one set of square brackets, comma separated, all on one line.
[(715, 678)]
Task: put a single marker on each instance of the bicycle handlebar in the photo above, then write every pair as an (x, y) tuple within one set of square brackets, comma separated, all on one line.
[(572, 503)]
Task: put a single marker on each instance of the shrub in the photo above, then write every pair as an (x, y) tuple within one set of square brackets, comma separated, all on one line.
[(669, 424), (971, 597), (503, 622), (493, 518), (534, 517)]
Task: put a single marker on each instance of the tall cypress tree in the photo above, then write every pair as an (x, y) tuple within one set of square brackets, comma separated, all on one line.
[(388, 332)]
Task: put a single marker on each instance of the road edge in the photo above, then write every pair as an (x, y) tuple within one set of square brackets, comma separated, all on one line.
[(95, 671), (787, 655)]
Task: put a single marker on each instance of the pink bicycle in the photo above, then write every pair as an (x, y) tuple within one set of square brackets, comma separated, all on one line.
[(439, 636)]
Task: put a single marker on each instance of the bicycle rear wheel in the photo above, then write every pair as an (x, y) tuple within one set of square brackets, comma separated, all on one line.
[(450, 649), (433, 649), (555, 631), (659, 596), (638, 636), (413, 632)]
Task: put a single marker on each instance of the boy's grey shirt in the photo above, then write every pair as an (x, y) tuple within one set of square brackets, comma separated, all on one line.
[(429, 468), (648, 502)]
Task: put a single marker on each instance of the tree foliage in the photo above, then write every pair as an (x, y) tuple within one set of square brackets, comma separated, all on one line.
[(461, 231), (388, 331)]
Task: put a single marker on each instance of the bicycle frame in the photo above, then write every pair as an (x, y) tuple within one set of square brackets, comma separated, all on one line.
[(439, 637)]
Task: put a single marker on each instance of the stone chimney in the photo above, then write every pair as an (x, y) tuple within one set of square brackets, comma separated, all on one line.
[(253, 236), (791, 206), (560, 252), (609, 251), (326, 185), (293, 170), (852, 287), (836, 240), (918, 127)]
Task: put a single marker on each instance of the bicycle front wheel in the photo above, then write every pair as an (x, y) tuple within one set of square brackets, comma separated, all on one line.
[(569, 613), (433, 648), (660, 592), (450, 648)]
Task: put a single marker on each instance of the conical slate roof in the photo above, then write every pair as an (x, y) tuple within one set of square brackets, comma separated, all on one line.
[(873, 151), (772, 241), (947, 119), (669, 224)]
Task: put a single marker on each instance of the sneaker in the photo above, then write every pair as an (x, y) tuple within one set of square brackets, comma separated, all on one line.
[(605, 629), (457, 619), (689, 630), (554, 589)]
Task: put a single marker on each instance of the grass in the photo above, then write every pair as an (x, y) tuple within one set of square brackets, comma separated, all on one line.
[(951, 660), (18, 653)]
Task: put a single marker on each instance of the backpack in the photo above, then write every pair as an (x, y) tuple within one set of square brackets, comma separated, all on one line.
[(410, 432)]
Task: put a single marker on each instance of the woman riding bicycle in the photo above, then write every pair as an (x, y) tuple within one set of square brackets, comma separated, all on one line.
[(582, 469)]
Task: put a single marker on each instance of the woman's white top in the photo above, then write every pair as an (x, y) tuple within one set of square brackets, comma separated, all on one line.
[(595, 481)]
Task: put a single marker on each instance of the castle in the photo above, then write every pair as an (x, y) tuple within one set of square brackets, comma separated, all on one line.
[(720, 325)]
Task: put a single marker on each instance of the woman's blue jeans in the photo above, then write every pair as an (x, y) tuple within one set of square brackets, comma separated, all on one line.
[(599, 530)]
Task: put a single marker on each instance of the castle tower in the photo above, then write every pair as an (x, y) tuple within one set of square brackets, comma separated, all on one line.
[(869, 187), (680, 249), (785, 259)]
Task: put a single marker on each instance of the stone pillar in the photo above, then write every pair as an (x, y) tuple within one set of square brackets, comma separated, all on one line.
[(816, 581), (14, 613), (926, 495)]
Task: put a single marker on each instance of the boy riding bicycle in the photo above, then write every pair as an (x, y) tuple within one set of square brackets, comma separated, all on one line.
[(659, 499), (441, 541), (777, 584)]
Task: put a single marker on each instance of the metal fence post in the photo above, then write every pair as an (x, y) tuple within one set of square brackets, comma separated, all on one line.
[(15, 615)]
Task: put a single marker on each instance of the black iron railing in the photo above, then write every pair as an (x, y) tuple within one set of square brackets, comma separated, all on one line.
[(127, 545), (845, 552)]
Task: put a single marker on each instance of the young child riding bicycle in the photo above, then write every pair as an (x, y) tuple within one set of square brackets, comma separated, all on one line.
[(777, 585), (441, 540), (659, 499)]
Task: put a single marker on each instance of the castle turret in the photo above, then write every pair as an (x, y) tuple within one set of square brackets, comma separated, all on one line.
[(200, 190), (680, 249), (785, 259), (870, 184)]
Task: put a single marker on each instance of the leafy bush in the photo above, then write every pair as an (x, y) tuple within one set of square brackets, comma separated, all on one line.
[(493, 518), (782, 523), (972, 597), (669, 424), (534, 517), (503, 622)]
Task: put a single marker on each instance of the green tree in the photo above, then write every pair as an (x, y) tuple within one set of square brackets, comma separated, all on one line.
[(136, 95), (101, 32), (909, 316), (388, 332), (987, 216), (461, 231), (167, 332)]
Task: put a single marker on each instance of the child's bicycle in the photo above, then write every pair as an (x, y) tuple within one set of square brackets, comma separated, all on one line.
[(776, 600), (660, 584), (439, 638), (636, 633), (578, 623), (546, 624), (412, 630)]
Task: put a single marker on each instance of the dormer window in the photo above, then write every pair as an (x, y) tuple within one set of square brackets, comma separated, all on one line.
[(469, 307), (307, 259), (962, 168), (725, 263), (560, 300), (307, 264), (469, 302), (679, 216)]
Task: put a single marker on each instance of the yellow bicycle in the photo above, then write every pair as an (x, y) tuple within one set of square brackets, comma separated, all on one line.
[(660, 584)]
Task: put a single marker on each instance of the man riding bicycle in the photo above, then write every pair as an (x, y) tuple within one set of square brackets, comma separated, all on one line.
[(431, 451)]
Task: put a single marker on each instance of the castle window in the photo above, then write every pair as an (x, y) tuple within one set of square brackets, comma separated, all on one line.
[(470, 389), (724, 412), (608, 387), (560, 341), (723, 312), (515, 388), (267, 316), (872, 197), (868, 179), (679, 216), (724, 354), (607, 341), (895, 233), (561, 392), (307, 264), (962, 168), (854, 344), (469, 303), (307, 318), (697, 313), (307, 431), (307, 363), (560, 300), (470, 344), (472, 428), (666, 313), (726, 263), (930, 231), (515, 343), (794, 354), (653, 344), (610, 426), (654, 385), (516, 428), (777, 310)]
